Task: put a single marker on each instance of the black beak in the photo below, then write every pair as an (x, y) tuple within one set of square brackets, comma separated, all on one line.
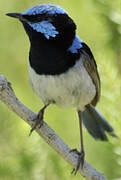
[(16, 15)]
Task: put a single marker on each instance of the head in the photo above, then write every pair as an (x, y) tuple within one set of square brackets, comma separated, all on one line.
[(47, 21)]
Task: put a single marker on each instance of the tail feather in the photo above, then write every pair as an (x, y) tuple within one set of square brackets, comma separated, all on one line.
[(96, 124)]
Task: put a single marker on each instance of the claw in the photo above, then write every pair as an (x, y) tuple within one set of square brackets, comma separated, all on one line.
[(79, 162), (38, 120), (74, 151)]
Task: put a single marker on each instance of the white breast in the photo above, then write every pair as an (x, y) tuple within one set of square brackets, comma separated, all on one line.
[(71, 89)]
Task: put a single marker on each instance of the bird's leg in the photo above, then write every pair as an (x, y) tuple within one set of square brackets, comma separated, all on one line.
[(81, 154), (39, 119)]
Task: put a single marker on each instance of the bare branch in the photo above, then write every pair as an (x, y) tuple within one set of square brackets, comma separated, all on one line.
[(8, 96)]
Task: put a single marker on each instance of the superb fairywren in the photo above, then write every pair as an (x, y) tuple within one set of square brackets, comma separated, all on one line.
[(62, 68)]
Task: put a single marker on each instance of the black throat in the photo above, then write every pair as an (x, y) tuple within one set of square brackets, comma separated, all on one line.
[(50, 57)]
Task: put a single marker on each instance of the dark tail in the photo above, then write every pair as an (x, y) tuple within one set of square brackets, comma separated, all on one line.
[(96, 124)]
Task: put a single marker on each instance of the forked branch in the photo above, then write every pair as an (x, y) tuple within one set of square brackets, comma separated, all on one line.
[(8, 96)]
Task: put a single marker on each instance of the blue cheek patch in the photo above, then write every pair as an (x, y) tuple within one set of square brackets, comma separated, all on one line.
[(45, 28), (77, 44)]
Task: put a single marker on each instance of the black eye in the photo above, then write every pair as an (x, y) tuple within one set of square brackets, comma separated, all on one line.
[(37, 17), (32, 18)]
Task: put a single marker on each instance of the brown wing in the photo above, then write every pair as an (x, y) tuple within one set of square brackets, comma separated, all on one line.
[(91, 67)]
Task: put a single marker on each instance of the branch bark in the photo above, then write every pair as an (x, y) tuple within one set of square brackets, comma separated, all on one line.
[(8, 97)]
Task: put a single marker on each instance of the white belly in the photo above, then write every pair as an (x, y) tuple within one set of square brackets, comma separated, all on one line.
[(71, 89)]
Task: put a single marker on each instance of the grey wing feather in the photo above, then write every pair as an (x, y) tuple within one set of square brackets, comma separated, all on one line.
[(91, 67)]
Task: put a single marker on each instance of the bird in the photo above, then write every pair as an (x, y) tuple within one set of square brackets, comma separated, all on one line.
[(63, 70)]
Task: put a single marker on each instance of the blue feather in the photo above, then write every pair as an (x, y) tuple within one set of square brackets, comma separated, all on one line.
[(44, 8), (76, 44), (45, 28)]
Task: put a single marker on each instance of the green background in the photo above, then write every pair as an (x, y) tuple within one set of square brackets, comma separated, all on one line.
[(30, 158)]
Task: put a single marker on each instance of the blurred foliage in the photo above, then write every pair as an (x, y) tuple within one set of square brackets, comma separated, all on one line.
[(30, 158)]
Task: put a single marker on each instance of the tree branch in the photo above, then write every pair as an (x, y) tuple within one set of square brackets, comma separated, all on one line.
[(8, 96)]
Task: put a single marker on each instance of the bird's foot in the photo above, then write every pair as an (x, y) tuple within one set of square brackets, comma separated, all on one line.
[(38, 120), (80, 160)]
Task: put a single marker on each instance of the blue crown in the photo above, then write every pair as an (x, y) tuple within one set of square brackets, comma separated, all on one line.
[(44, 8)]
